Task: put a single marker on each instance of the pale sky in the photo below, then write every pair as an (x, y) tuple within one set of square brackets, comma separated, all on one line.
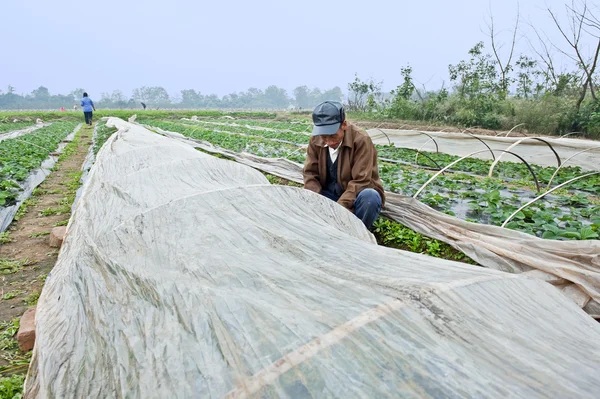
[(232, 45)]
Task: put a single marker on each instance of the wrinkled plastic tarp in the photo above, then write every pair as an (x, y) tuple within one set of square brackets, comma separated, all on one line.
[(184, 275), (532, 150), (571, 266)]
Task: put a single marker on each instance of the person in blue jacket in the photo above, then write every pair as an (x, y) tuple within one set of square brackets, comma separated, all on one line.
[(88, 105)]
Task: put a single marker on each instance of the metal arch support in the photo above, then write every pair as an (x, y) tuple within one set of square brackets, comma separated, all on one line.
[(510, 131), (519, 142), (482, 142), (467, 156), (415, 195), (437, 148), (437, 165), (385, 134), (535, 179), (565, 162), (568, 134), (558, 161), (544, 194)]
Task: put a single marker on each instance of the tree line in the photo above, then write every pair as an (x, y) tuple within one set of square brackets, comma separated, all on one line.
[(157, 97)]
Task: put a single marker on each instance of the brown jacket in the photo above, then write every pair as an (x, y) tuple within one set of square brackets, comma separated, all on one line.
[(357, 165)]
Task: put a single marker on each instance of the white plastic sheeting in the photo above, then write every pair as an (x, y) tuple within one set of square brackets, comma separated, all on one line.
[(183, 275), (533, 151), (571, 266), (18, 133)]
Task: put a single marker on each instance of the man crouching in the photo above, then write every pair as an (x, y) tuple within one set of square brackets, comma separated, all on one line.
[(341, 163)]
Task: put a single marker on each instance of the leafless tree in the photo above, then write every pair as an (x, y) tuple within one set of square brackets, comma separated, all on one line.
[(505, 67), (545, 56), (580, 20)]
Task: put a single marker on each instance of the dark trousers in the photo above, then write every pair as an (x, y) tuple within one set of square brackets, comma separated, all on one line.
[(366, 206), (88, 117)]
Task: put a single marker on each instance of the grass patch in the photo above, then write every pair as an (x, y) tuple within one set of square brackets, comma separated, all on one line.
[(10, 266), (69, 149), (9, 329), (38, 192), (52, 253), (61, 223), (31, 201), (74, 181), (59, 210), (5, 237), (31, 299), (40, 234), (12, 294)]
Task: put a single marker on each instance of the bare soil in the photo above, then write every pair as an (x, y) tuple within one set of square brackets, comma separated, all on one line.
[(50, 205)]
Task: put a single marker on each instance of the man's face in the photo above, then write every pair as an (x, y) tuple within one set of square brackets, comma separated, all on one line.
[(335, 140)]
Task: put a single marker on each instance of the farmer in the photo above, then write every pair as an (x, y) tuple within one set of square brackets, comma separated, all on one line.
[(341, 163), (88, 105)]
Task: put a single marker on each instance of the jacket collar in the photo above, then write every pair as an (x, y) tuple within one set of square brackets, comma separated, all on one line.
[(348, 141)]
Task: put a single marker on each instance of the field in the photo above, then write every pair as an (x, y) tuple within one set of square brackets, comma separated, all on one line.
[(464, 191), (569, 213)]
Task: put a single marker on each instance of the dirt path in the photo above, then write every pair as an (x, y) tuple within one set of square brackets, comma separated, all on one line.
[(27, 258)]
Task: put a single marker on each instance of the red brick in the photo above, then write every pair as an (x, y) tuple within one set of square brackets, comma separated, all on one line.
[(26, 334), (57, 235)]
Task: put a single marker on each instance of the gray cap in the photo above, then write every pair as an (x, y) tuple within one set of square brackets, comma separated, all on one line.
[(327, 117)]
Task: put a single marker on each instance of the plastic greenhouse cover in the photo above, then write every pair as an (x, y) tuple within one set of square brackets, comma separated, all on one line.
[(532, 150), (184, 275), (572, 266)]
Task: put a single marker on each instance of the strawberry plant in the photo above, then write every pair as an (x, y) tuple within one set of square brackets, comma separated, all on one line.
[(19, 156)]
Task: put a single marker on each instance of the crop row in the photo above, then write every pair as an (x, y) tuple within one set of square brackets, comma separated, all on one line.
[(19, 156), (504, 169), (6, 126), (235, 142), (301, 126), (492, 201), (293, 138)]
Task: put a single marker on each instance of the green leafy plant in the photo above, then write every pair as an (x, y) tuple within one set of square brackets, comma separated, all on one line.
[(10, 266), (32, 298), (12, 294), (5, 237), (39, 234), (12, 387)]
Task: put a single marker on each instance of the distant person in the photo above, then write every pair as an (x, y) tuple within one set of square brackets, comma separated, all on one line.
[(143, 105), (75, 107), (88, 106), (341, 163)]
